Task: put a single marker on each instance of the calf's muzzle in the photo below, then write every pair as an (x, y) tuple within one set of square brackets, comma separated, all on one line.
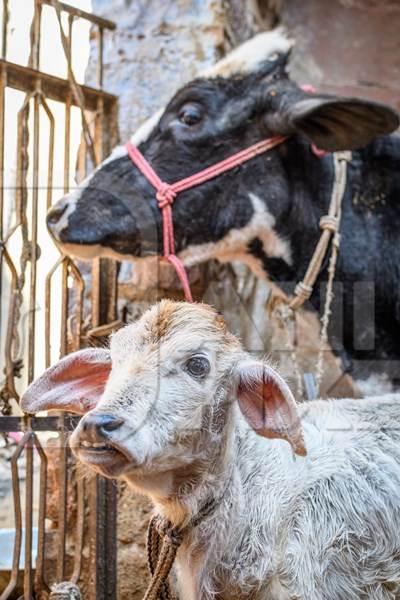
[(97, 427)]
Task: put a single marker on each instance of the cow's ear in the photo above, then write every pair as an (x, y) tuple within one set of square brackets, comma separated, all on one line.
[(75, 384), (268, 404), (334, 124)]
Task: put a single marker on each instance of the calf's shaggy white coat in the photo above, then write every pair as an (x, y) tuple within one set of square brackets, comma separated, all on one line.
[(316, 518)]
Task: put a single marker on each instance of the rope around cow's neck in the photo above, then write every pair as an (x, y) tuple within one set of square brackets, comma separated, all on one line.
[(285, 308), (167, 192), (329, 223)]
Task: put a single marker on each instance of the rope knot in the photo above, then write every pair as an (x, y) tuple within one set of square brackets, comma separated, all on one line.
[(165, 195), (329, 223), (303, 291)]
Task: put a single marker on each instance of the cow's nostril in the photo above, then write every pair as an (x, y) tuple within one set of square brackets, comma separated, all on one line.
[(55, 214)]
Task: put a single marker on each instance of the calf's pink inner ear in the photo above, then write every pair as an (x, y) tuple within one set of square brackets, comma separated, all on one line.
[(75, 384), (269, 406)]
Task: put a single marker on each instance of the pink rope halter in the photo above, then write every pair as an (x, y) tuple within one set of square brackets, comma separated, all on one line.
[(167, 192)]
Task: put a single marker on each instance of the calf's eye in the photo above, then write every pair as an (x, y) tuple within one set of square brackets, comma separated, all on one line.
[(198, 366), (190, 114)]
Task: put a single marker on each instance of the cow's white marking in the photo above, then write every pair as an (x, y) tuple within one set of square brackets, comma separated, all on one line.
[(234, 246), (71, 201), (248, 57), (91, 251)]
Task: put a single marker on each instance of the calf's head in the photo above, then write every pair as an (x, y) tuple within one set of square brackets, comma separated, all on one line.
[(245, 98), (164, 399)]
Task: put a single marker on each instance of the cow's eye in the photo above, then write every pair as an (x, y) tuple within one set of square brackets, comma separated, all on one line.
[(190, 114), (197, 366)]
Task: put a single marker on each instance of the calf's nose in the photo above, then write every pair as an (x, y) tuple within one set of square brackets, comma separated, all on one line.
[(98, 426)]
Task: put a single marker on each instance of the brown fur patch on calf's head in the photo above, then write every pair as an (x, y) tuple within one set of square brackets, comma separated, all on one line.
[(169, 317)]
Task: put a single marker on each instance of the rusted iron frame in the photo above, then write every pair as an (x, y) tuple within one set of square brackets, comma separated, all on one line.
[(106, 500), (17, 516), (74, 86), (9, 387), (29, 442), (17, 283), (25, 79), (77, 12)]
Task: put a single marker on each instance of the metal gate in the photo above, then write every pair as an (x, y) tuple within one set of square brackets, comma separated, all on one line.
[(76, 299)]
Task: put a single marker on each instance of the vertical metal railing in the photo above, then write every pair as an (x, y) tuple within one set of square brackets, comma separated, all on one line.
[(20, 268)]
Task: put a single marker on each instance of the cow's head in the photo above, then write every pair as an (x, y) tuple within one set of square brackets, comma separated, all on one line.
[(246, 97), (161, 404)]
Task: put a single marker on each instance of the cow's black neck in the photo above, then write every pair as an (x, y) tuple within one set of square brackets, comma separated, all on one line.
[(369, 259)]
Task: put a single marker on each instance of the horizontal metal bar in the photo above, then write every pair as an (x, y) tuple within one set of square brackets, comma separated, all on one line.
[(82, 14), (54, 88), (37, 423)]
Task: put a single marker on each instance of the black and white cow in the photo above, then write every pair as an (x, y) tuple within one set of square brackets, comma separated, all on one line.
[(266, 212)]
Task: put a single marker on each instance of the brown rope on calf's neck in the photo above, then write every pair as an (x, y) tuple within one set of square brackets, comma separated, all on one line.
[(163, 543)]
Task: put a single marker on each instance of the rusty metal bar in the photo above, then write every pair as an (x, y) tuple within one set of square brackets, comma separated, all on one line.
[(67, 142), (80, 284), (77, 12), (62, 513), (34, 59), (9, 368), (53, 88), (40, 583), (80, 526), (100, 58), (50, 161), (33, 242), (28, 576), (4, 30), (104, 523), (64, 308), (47, 322), (3, 83), (63, 457)]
